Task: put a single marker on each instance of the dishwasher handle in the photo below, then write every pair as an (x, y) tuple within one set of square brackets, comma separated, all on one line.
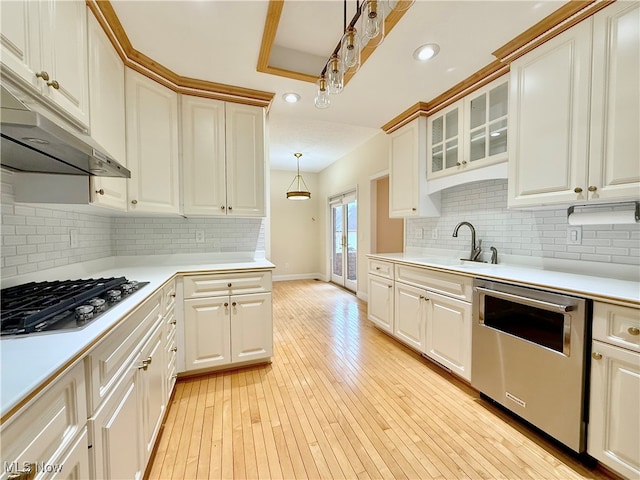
[(532, 302)]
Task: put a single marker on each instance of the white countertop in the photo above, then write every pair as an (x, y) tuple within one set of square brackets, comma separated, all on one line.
[(26, 362), (590, 286)]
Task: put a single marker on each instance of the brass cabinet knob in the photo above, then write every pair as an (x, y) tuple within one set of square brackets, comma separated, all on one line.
[(577, 190), (173, 295), (633, 331), (413, 209), (464, 162), (389, 286), (100, 192), (222, 207), (458, 164), (54, 84), (174, 349), (596, 356), (43, 75), (226, 304), (234, 304), (377, 268), (229, 285), (592, 188), (143, 366), (134, 202), (230, 208), (174, 322), (421, 297)]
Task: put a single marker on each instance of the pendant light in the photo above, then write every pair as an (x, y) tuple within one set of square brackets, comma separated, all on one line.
[(322, 97), (335, 72), (299, 193), (372, 19), (350, 49)]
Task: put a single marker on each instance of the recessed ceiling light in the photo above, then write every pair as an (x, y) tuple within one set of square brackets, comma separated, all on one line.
[(291, 97), (426, 52)]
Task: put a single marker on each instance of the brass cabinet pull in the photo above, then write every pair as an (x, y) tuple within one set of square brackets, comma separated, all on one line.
[(377, 268), (148, 360), (413, 209), (389, 286), (234, 304), (174, 322), (229, 285), (464, 162), (221, 207), (134, 202), (577, 190), (29, 473), (633, 331), (421, 297), (596, 356), (174, 349), (226, 304), (100, 192), (54, 84), (230, 208), (592, 188), (173, 295), (143, 366), (43, 75)]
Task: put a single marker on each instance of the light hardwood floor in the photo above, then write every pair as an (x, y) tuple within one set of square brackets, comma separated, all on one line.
[(343, 400)]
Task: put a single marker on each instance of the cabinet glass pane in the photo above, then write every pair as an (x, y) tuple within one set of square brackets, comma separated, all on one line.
[(478, 111), (436, 159), (451, 153), (498, 137), (498, 102), (451, 124), (478, 144), (437, 130)]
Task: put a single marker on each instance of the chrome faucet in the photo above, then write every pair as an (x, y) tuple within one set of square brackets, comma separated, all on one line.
[(476, 250)]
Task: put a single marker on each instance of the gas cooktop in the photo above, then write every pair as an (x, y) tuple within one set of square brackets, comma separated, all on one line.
[(69, 304)]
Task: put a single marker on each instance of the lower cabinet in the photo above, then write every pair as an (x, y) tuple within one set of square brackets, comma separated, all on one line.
[(229, 329), (380, 308), (614, 418), (410, 315)]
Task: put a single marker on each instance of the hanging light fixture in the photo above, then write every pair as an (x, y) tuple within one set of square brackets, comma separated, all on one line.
[(335, 71), (350, 48), (372, 22), (299, 193), (322, 97)]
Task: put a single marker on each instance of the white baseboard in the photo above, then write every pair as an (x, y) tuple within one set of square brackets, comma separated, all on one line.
[(363, 296), (298, 276)]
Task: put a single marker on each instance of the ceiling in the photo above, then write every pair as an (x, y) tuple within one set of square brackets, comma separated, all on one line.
[(220, 41)]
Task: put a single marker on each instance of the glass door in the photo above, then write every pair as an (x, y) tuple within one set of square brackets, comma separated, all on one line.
[(344, 248)]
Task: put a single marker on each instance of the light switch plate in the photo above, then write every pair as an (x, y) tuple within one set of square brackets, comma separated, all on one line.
[(574, 235), (199, 236)]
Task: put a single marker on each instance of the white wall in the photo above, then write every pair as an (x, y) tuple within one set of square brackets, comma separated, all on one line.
[(354, 170), (295, 229)]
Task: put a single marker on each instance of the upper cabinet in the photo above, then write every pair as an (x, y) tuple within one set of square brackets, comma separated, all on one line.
[(223, 158), (575, 133), (107, 99), (470, 133), (44, 51), (407, 173), (152, 145)]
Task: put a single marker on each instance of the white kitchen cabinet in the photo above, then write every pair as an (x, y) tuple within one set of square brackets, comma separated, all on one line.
[(44, 51), (445, 141), (448, 335), (614, 418), (407, 173), (106, 99), (227, 319), (223, 158), (573, 133), (50, 429), (169, 293), (152, 145), (380, 306), (410, 315)]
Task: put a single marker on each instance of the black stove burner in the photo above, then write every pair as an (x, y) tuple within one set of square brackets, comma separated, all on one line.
[(46, 306)]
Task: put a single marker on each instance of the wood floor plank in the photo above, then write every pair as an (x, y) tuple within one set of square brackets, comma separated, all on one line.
[(344, 400)]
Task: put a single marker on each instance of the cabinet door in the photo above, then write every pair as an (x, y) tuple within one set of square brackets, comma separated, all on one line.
[(106, 99), (445, 141), (203, 156), (409, 315), (20, 41), (614, 169), (115, 432), (207, 332), (152, 145), (152, 389), (64, 56), (448, 337), (404, 172), (380, 305), (614, 417), (74, 464), (548, 121), (251, 327), (245, 160)]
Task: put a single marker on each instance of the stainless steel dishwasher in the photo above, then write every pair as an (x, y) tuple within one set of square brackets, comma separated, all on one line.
[(529, 356)]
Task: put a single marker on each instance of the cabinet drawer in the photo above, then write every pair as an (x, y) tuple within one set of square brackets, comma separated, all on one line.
[(617, 325), (108, 360), (46, 428), (380, 268), (213, 285), (446, 283), (169, 296)]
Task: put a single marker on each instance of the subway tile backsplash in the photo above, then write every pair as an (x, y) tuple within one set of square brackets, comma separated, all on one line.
[(538, 233), (37, 237)]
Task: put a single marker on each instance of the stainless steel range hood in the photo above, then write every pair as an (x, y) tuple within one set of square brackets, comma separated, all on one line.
[(32, 142)]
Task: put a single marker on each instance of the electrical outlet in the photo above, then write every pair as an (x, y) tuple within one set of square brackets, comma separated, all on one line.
[(419, 233), (574, 235), (199, 236), (74, 242), (434, 234)]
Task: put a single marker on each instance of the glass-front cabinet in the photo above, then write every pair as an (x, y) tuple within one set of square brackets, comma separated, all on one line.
[(470, 133)]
